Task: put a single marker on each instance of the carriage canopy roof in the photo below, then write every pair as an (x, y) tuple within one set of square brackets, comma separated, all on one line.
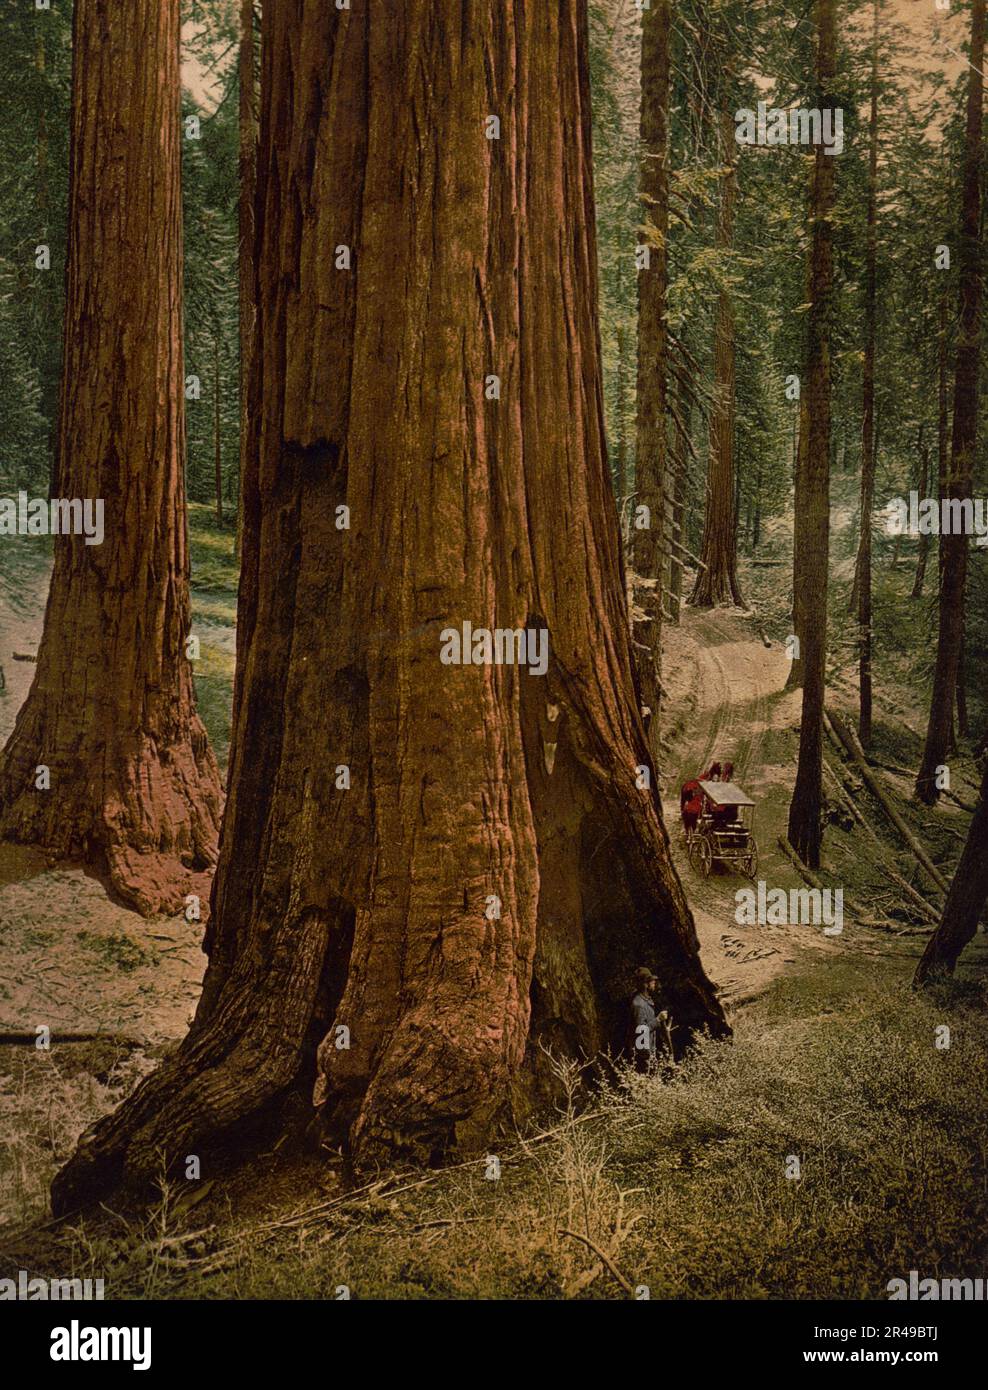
[(726, 794)]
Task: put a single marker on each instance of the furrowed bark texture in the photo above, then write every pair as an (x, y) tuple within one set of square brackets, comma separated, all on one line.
[(717, 580), (111, 711), (246, 269), (650, 558), (493, 870)]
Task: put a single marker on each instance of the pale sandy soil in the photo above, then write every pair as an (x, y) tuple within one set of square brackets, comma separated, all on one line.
[(70, 957)]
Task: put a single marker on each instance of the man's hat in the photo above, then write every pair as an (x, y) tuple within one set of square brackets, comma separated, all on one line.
[(644, 976)]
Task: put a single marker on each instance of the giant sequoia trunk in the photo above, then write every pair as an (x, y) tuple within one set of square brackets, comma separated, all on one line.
[(496, 864), (651, 448), (812, 508), (717, 579), (965, 901), (954, 548), (111, 712)]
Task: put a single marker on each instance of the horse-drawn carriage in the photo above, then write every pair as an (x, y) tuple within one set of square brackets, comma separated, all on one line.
[(720, 829)]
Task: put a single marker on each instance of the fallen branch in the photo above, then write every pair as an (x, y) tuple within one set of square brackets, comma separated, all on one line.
[(688, 553), (394, 1185), (915, 898), (854, 750), (911, 774), (605, 1260), (806, 874), (31, 1039), (894, 928)]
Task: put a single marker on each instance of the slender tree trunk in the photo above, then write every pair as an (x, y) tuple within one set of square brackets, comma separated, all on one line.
[(684, 406), (246, 229), (496, 864), (625, 486), (868, 407), (813, 493), (954, 547), (800, 437), (217, 433), (924, 539), (676, 569), (794, 680), (943, 420), (965, 901), (111, 712), (943, 448), (756, 520), (48, 375), (963, 726), (718, 581), (650, 553)]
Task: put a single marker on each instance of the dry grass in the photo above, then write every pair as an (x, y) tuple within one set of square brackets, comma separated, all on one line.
[(678, 1186)]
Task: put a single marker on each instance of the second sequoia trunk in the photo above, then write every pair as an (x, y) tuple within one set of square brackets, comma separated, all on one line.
[(433, 867), (111, 713)]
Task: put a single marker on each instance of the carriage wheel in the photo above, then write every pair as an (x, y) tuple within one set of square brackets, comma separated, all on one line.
[(751, 861), (701, 855)]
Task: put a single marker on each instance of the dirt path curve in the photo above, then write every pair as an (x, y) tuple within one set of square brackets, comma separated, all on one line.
[(718, 668)]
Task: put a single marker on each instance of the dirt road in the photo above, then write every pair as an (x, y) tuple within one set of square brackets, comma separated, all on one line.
[(717, 668)]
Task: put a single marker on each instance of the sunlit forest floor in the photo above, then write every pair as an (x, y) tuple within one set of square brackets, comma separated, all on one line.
[(678, 1183)]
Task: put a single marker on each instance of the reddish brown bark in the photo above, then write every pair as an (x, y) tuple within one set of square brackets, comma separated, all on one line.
[(794, 680), (247, 270), (954, 547), (812, 507), (368, 908), (650, 554), (717, 580), (111, 711)]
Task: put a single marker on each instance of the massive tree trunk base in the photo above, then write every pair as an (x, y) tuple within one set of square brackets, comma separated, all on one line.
[(151, 823), (495, 866), (442, 1085)]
